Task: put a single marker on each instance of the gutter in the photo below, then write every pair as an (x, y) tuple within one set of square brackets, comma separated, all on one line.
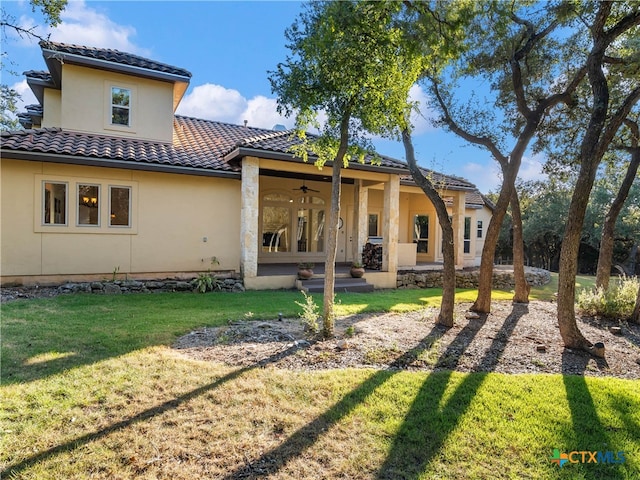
[(124, 164)]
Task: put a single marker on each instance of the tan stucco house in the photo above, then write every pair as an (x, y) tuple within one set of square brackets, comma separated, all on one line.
[(105, 177)]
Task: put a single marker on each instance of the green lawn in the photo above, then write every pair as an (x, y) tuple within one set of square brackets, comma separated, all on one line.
[(91, 390)]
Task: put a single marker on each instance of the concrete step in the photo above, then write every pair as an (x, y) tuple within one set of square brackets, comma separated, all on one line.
[(342, 284)]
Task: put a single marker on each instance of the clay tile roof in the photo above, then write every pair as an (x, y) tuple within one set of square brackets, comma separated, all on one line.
[(197, 144), (282, 141), (114, 56), (38, 75), (437, 178)]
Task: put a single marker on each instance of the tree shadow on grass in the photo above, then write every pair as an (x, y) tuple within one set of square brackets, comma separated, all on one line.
[(428, 422), (590, 434), (15, 469), (272, 461)]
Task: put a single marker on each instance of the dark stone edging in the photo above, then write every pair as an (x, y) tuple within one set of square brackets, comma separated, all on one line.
[(118, 287), (502, 280)]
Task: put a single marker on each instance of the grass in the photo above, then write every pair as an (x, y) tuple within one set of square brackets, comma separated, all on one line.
[(548, 291), (91, 390)]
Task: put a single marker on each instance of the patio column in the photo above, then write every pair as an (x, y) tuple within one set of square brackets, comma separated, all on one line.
[(362, 219), (390, 224), (249, 215), (458, 227)]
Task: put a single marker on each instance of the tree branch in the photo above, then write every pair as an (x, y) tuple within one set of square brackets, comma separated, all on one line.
[(458, 130)]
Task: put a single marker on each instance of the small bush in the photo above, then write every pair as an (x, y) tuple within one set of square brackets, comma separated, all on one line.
[(617, 302), (309, 314)]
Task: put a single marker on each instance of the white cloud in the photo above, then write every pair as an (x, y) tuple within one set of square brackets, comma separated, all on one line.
[(419, 119), (26, 95), (262, 112), (531, 169), (215, 102), (83, 25)]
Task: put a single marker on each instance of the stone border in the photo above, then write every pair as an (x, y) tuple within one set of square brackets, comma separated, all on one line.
[(502, 279), (135, 286)]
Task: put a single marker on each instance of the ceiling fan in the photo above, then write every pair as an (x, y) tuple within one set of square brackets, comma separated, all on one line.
[(305, 189)]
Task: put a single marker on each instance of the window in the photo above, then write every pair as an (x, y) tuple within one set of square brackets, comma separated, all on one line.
[(421, 232), (120, 106), (120, 206), (275, 228), (373, 225), (88, 204), (310, 228), (294, 225), (479, 234), (55, 203), (467, 234)]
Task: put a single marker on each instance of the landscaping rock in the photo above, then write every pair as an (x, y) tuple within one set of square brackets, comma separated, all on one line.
[(112, 289)]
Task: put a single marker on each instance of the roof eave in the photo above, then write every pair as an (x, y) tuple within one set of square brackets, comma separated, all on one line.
[(457, 188), (55, 59), (115, 163), (239, 152)]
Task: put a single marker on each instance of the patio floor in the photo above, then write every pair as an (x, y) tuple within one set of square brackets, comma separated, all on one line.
[(273, 269)]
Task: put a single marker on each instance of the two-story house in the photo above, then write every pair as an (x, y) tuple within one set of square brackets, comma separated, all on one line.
[(105, 177)]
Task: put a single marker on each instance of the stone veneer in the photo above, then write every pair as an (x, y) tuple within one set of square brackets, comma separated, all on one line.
[(502, 278), (147, 286)]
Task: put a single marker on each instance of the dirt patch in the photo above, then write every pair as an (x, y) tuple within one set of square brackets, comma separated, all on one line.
[(513, 338)]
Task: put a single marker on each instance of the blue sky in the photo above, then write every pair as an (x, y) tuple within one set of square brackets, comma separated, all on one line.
[(229, 47)]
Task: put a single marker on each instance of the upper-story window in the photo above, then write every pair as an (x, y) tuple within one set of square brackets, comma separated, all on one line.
[(120, 106)]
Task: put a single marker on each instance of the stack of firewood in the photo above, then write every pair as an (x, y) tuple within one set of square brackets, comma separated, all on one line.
[(372, 256)]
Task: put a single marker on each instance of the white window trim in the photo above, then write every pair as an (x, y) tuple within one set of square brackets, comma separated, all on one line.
[(133, 106)]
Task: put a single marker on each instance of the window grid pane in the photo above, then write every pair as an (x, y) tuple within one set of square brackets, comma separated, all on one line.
[(120, 106), (88, 204), (120, 199), (55, 203)]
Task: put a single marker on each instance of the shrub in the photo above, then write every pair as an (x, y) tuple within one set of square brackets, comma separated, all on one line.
[(617, 302), (309, 314)]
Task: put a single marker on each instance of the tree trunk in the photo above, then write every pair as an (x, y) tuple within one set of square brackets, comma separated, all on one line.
[(571, 335), (522, 287), (605, 256), (449, 267), (328, 312), (485, 277), (635, 316), (591, 152)]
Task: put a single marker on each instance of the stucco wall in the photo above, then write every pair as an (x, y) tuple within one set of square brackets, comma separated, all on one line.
[(171, 215), (84, 104)]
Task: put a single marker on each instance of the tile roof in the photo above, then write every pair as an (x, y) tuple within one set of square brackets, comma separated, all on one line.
[(281, 141), (437, 178), (114, 56), (197, 144), (38, 75)]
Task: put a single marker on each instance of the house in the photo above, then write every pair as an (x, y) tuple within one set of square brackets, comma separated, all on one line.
[(106, 178)]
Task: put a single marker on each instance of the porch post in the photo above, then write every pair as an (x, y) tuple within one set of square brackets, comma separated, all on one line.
[(249, 213), (362, 219), (390, 224), (458, 227)]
